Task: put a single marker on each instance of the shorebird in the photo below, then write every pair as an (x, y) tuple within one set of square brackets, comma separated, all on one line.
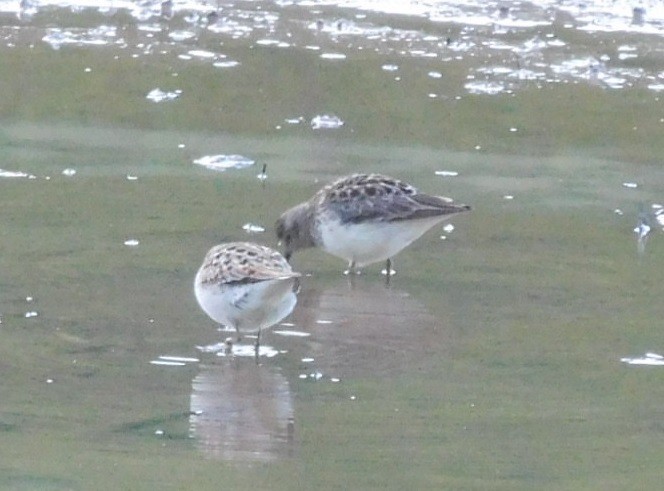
[(364, 219), (245, 286)]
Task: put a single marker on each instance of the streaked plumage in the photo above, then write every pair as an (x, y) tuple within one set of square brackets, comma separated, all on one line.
[(363, 218), (246, 286)]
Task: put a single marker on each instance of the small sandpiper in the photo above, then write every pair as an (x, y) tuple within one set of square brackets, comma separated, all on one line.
[(364, 219), (246, 286)]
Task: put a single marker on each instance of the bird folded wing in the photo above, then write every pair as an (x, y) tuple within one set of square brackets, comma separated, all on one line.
[(396, 208)]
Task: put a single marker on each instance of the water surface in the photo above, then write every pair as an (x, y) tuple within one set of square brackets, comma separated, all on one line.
[(493, 358)]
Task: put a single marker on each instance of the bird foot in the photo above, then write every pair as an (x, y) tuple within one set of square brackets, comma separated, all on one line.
[(228, 346), (225, 347)]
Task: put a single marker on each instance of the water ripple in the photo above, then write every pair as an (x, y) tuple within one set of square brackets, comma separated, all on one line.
[(536, 44), (224, 162)]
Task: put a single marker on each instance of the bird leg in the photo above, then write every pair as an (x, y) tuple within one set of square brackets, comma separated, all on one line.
[(388, 271), (228, 346), (352, 269), (257, 345)]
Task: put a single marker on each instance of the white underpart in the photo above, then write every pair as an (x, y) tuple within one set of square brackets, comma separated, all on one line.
[(371, 242), (247, 308)]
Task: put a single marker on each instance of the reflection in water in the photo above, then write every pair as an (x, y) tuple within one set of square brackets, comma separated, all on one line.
[(366, 328), (658, 213), (230, 349), (641, 230), (649, 359), (241, 411), (647, 218)]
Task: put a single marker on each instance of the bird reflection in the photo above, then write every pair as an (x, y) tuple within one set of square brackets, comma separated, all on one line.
[(642, 229), (366, 328), (241, 411)]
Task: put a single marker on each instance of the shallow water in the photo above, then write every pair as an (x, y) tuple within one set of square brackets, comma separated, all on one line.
[(517, 350)]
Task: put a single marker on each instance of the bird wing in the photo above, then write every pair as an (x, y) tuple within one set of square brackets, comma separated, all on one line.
[(373, 197), (394, 207), (245, 262)]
